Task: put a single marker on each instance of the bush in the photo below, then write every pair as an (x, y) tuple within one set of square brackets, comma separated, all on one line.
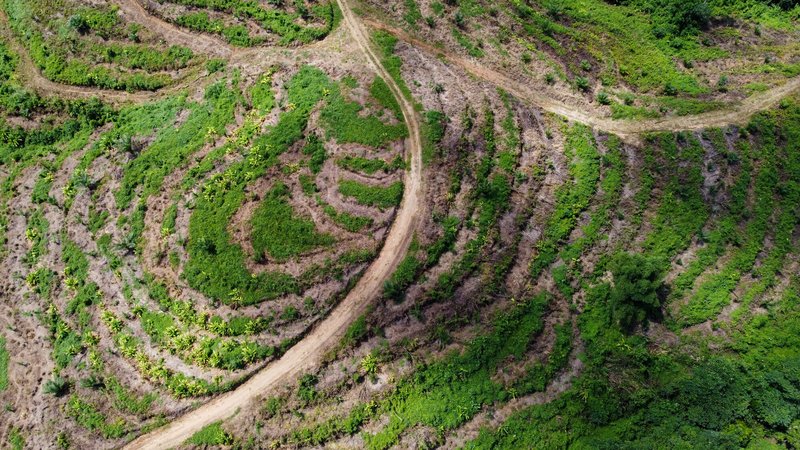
[(57, 386), (211, 435), (636, 294), (582, 83)]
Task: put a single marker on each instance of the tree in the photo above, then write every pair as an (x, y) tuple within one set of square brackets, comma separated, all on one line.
[(689, 16), (635, 295)]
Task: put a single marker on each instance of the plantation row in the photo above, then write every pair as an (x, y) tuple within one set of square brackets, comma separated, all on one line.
[(715, 209), (95, 52), (296, 22), (95, 173)]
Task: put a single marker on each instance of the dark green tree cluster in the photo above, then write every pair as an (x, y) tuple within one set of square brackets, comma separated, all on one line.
[(637, 291)]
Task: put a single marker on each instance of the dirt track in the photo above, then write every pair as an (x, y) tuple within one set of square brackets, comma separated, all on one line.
[(736, 114), (308, 352)]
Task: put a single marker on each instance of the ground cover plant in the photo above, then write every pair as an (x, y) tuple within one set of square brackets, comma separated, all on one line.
[(278, 233)]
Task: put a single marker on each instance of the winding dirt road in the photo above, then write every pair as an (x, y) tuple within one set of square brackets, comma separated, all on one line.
[(307, 353)]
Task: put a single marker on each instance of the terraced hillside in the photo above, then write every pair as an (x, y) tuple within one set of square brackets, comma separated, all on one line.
[(246, 224)]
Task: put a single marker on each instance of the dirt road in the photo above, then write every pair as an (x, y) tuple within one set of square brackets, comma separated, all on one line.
[(735, 114), (307, 353)]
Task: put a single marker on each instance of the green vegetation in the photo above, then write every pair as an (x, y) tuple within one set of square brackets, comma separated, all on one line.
[(212, 434), (735, 394), (635, 293), (216, 266), (391, 62), (682, 211), (89, 417), (4, 358), (72, 57), (315, 148), (262, 97), (369, 165), (343, 121), (380, 91), (447, 393), (648, 45), (172, 146), (15, 439), (349, 222), (381, 197), (571, 198), (177, 383), (356, 332), (281, 23), (278, 233)]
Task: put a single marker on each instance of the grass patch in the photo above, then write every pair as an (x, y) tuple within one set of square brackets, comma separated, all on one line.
[(349, 222), (369, 165), (212, 434), (280, 234), (377, 196), (3, 364)]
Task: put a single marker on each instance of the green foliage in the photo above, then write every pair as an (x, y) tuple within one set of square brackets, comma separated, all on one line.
[(89, 416), (635, 293), (174, 145), (177, 383), (472, 49), (128, 401), (380, 91), (4, 358), (342, 120), (283, 24), (641, 39), (611, 184), (381, 197), (413, 13), (405, 274), (15, 439), (185, 312), (212, 434), (735, 392), (315, 148), (369, 166), (432, 130), (682, 211), (262, 97), (216, 266), (392, 63), (36, 234), (278, 233), (72, 59), (445, 394), (42, 281), (319, 435), (56, 386), (355, 332), (571, 198), (349, 222), (170, 216), (306, 389)]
